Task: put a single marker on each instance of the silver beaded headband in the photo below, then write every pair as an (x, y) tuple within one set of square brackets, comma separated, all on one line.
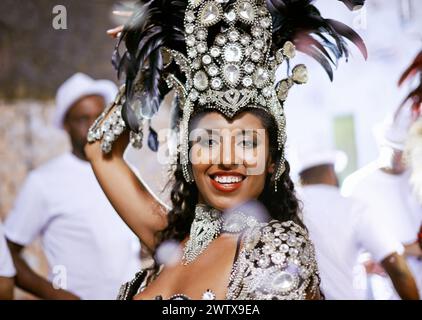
[(236, 72)]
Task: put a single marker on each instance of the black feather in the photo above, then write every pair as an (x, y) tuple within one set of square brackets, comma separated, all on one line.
[(307, 40), (300, 22), (415, 96), (353, 4), (153, 140), (318, 56), (155, 24), (350, 34), (330, 45)]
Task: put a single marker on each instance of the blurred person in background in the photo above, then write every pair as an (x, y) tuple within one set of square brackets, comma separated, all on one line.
[(384, 185), (414, 158), (7, 269), (341, 229), (90, 251), (413, 152)]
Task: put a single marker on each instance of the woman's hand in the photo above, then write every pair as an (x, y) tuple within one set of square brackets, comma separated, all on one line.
[(93, 149), (115, 32)]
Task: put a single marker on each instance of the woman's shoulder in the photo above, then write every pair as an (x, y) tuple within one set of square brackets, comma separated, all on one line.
[(277, 262)]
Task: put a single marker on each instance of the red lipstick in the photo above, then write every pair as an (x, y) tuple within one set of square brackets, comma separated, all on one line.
[(225, 181)]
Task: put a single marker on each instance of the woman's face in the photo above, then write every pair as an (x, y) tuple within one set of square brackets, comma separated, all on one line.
[(230, 159)]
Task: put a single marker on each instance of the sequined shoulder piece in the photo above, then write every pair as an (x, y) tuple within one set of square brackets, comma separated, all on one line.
[(141, 280), (277, 261)]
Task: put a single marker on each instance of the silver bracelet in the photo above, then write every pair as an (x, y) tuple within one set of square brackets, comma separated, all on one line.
[(107, 131)]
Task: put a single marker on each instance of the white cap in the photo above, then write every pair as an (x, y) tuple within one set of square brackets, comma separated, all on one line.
[(76, 87), (314, 147), (313, 155), (394, 130)]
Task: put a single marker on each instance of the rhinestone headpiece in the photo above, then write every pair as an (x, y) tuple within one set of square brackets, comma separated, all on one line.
[(233, 70)]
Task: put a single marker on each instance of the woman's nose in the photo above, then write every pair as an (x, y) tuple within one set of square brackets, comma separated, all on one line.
[(228, 152)]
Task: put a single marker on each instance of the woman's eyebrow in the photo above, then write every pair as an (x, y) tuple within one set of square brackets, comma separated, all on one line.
[(210, 131), (243, 132), (207, 133)]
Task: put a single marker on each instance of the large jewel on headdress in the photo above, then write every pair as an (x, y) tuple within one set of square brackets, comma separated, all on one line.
[(246, 11), (231, 74), (210, 14), (233, 53), (200, 80)]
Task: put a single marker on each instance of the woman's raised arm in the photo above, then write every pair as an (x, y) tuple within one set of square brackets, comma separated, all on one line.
[(139, 209)]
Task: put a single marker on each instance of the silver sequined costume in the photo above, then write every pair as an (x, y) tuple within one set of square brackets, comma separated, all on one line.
[(276, 261)]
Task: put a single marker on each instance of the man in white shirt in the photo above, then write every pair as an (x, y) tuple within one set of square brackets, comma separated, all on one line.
[(385, 187), (340, 229), (7, 269), (90, 251)]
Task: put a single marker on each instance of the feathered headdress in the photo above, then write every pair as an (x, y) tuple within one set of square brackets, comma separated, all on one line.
[(415, 96), (222, 54)]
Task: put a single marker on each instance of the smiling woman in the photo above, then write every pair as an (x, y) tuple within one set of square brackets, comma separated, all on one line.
[(225, 161), (220, 57)]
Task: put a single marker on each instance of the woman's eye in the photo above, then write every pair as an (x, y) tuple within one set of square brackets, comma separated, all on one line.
[(208, 143), (248, 144)]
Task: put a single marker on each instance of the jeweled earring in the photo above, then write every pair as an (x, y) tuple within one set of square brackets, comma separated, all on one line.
[(187, 173)]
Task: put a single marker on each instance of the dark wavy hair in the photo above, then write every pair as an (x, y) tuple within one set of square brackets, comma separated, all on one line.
[(282, 205)]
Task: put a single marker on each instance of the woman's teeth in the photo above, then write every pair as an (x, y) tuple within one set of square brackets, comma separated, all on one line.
[(228, 179)]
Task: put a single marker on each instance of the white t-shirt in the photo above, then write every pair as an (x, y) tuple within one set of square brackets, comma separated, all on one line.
[(340, 228), (90, 250), (7, 269), (392, 203)]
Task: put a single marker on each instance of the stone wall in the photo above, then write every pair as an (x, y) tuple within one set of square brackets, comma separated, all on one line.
[(26, 141), (35, 57)]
